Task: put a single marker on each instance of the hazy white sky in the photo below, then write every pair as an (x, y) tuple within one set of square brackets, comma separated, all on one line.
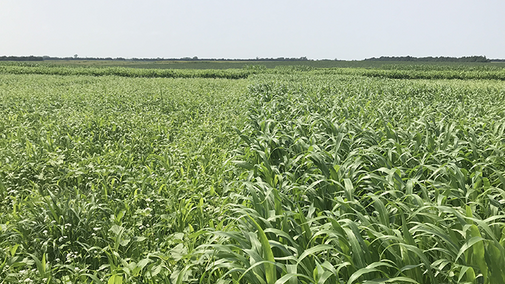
[(343, 29)]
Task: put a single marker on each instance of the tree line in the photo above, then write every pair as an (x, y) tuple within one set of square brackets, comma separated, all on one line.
[(195, 58), (21, 58), (431, 59)]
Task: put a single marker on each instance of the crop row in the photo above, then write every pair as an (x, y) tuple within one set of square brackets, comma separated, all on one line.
[(125, 72), (412, 72), (464, 74)]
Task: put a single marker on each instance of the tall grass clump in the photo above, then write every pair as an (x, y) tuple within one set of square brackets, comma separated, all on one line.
[(349, 180)]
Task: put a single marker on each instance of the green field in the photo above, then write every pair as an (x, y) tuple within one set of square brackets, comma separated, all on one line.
[(391, 173), (237, 64)]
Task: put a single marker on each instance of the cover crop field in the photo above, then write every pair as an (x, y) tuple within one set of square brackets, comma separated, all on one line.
[(294, 174)]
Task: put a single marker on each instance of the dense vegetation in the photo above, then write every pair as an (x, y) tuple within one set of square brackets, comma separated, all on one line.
[(285, 175), (265, 64), (463, 72)]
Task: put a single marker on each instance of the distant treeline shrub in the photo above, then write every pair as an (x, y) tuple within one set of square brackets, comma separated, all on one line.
[(431, 59), (21, 58)]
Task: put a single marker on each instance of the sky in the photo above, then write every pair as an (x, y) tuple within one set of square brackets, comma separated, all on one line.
[(316, 29)]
